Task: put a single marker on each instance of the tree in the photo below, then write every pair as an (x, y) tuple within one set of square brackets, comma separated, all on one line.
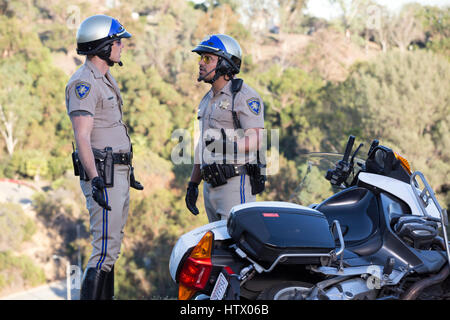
[(17, 106), (405, 28), (436, 25), (402, 100), (258, 15), (291, 15), (291, 91)]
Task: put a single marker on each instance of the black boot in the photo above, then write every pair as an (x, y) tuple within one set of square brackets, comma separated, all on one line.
[(108, 287), (92, 285)]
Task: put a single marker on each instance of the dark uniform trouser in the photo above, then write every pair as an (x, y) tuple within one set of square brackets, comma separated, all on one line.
[(107, 227), (220, 200)]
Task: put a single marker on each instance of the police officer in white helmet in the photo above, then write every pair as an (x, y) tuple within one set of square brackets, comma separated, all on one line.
[(104, 152), (231, 117)]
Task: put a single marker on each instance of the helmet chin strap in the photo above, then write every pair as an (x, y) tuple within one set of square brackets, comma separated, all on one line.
[(216, 76), (105, 55), (202, 78)]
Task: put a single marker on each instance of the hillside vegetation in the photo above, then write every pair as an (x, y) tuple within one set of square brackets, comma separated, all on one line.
[(320, 82)]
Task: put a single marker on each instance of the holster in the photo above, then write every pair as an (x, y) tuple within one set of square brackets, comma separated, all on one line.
[(257, 179), (214, 175), (218, 174), (78, 169), (104, 163)]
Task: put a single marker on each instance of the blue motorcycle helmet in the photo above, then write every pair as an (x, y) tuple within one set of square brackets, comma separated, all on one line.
[(96, 35), (227, 49)]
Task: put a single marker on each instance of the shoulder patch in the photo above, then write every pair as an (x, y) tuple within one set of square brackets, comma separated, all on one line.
[(82, 89), (254, 105)]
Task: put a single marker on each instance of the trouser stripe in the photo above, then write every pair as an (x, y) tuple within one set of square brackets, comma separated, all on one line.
[(104, 233), (242, 188)]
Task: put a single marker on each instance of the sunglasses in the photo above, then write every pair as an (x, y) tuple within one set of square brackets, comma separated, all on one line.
[(205, 59)]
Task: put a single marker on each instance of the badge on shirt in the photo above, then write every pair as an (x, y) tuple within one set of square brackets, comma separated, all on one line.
[(82, 90), (224, 104), (254, 105)]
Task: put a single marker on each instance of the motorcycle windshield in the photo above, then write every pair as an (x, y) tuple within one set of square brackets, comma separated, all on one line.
[(312, 187)]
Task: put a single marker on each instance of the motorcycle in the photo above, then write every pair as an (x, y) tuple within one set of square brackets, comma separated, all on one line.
[(378, 239)]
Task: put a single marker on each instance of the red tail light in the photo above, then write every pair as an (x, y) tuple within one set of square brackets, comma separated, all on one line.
[(196, 269), (195, 273)]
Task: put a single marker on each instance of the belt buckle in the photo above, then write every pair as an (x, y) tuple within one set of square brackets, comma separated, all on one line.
[(123, 158)]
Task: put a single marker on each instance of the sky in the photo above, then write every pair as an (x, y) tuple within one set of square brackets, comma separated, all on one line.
[(323, 8)]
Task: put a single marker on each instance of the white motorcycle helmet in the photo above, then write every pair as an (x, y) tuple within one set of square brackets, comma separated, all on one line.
[(227, 49), (96, 35)]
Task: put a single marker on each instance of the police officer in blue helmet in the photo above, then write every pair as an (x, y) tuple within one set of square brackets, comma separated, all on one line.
[(229, 57), (231, 117), (104, 153)]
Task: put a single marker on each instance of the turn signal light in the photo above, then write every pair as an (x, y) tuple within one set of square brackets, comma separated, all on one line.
[(204, 247), (196, 269), (403, 162)]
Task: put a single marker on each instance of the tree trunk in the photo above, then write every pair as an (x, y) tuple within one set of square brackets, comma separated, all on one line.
[(6, 129)]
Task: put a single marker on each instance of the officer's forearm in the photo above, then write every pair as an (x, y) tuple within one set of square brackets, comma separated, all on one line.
[(86, 157), (196, 174), (82, 128), (251, 141)]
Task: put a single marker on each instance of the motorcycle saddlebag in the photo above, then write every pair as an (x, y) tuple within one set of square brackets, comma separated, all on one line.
[(265, 230)]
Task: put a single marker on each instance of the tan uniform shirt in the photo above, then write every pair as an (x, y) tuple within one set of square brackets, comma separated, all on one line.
[(89, 90), (214, 113)]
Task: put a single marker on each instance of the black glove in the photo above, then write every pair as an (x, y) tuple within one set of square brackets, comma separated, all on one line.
[(133, 182), (191, 197), (97, 192)]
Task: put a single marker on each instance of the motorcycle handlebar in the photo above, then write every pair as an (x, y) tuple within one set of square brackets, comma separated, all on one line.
[(348, 148)]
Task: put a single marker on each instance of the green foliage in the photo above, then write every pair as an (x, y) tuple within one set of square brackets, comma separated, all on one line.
[(289, 96), (16, 268), (15, 225), (313, 187), (402, 99), (54, 204), (436, 24)]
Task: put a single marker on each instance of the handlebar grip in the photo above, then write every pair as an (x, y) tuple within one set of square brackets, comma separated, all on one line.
[(348, 148)]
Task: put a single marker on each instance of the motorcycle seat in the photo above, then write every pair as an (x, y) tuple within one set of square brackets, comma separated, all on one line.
[(357, 212), (369, 246)]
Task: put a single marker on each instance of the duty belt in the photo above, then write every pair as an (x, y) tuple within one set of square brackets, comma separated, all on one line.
[(210, 173), (118, 158), (122, 158)]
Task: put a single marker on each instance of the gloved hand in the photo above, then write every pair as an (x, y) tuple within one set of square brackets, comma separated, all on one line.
[(191, 197), (98, 187), (133, 182)]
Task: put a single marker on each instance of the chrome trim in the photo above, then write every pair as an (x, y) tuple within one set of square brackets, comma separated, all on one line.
[(332, 254), (391, 279), (424, 199)]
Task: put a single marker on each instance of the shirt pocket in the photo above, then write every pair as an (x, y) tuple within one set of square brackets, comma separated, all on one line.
[(109, 115), (109, 103)]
